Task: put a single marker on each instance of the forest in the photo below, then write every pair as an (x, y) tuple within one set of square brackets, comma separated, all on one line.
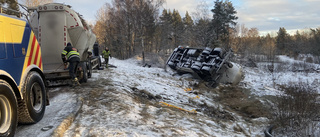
[(134, 27), (131, 27)]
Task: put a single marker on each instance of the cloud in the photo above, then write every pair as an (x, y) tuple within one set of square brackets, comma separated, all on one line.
[(181, 5), (273, 19), (272, 14), (266, 15)]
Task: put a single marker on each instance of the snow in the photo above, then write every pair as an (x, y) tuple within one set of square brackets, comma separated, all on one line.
[(125, 116), (61, 105), (125, 101), (261, 81)]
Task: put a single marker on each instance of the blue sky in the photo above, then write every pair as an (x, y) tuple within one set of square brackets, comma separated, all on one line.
[(266, 15)]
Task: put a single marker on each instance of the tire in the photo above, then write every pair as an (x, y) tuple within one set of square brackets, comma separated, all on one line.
[(206, 68), (83, 72), (207, 49), (89, 68), (33, 104), (195, 68), (99, 64), (206, 52), (8, 110), (197, 63), (230, 65), (172, 65)]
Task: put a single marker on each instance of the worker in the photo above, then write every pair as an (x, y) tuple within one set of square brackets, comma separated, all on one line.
[(106, 54), (71, 55)]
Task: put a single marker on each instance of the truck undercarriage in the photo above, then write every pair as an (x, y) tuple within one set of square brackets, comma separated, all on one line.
[(205, 63)]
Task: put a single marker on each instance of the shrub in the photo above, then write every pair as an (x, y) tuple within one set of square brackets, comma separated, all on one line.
[(296, 112)]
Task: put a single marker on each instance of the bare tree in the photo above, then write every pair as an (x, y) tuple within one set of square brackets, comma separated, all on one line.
[(202, 11), (253, 32), (100, 27), (128, 26), (244, 30)]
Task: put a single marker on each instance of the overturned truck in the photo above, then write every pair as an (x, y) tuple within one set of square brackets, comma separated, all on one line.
[(211, 65)]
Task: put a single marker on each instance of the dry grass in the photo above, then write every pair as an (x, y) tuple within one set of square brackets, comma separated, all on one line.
[(243, 104)]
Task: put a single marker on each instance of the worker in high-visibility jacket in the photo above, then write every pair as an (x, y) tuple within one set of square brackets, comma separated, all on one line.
[(106, 54), (71, 55)]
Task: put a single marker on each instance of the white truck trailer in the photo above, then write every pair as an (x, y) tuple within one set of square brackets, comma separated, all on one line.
[(55, 25)]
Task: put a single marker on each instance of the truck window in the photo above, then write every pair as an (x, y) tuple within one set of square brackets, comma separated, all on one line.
[(3, 53)]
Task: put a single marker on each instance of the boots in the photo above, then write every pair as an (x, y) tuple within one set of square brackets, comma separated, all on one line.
[(76, 81)]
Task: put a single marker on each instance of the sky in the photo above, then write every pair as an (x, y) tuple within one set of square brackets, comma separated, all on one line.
[(265, 15)]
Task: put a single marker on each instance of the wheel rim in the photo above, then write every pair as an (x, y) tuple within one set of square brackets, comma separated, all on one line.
[(5, 114), (36, 97)]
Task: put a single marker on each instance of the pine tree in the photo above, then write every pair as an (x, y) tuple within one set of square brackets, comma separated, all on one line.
[(177, 28), (165, 28), (223, 19), (315, 42), (188, 30), (187, 20), (202, 33), (282, 40)]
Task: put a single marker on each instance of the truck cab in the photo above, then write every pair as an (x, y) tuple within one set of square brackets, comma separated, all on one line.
[(23, 96)]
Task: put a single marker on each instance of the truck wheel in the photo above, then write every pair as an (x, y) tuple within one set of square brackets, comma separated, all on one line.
[(84, 77), (89, 68), (99, 64), (172, 65), (33, 104), (206, 70), (196, 69), (8, 110), (206, 52), (230, 65)]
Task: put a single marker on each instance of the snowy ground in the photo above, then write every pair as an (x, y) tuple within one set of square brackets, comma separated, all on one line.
[(62, 104), (263, 82), (131, 100)]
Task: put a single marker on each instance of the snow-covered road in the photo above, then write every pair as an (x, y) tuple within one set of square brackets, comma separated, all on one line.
[(62, 105)]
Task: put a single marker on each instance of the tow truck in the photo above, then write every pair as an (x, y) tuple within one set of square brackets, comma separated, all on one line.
[(23, 95)]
